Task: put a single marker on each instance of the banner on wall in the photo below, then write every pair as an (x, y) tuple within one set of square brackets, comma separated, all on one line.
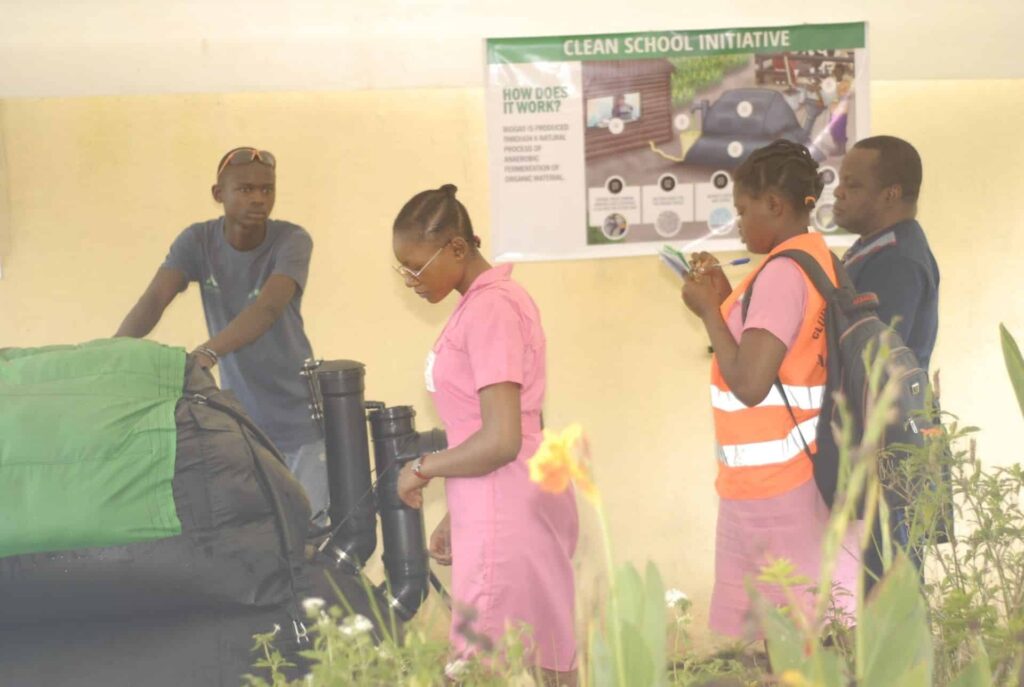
[(614, 145)]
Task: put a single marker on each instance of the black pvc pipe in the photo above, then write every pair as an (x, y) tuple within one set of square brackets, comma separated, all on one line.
[(354, 525), (406, 563)]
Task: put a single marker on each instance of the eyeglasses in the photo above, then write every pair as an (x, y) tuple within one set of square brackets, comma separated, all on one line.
[(407, 273), (245, 156)]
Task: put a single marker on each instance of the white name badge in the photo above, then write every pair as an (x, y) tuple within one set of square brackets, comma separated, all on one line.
[(428, 372)]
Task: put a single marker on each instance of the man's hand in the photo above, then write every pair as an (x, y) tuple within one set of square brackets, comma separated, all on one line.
[(203, 360)]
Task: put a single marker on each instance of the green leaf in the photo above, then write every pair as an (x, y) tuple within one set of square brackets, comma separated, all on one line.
[(629, 592), (785, 642), (1014, 364), (975, 675), (978, 674), (641, 624), (654, 623), (895, 642), (825, 668), (602, 663), (920, 675), (637, 656)]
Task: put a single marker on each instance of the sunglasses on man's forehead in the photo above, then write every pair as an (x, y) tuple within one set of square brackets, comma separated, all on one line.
[(245, 156)]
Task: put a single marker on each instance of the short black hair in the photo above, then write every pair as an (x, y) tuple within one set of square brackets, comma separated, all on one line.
[(786, 167), (898, 163)]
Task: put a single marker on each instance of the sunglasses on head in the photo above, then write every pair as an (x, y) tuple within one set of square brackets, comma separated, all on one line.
[(245, 156)]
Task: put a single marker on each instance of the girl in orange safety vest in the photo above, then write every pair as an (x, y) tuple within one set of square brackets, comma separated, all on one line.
[(769, 505)]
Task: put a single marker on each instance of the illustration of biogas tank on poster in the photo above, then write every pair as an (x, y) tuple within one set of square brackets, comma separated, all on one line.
[(616, 145)]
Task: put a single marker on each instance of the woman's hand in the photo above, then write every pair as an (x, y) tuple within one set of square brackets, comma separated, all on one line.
[(440, 548), (705, 288), (706, 264), (410, 487), (700, 295)]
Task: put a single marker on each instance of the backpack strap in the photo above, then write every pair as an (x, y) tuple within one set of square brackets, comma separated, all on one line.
[(811, 268), (815, 273), (825, 287), (785, 399)]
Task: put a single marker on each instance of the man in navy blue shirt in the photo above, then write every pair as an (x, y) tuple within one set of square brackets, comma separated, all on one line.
[(879, 183)]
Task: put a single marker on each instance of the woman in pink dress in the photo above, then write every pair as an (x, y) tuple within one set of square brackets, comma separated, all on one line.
[(510, 544)]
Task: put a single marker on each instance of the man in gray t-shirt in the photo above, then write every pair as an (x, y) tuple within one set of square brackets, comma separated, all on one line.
[(251, 272)]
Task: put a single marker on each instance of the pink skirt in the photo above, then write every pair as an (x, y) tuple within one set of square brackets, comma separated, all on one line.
[(512, 547), (753, 532)]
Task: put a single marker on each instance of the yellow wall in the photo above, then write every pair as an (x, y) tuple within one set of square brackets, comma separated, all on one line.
[(99, 187), (5, 210)]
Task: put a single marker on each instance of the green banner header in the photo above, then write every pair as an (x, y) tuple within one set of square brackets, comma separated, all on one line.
[(655, 44)]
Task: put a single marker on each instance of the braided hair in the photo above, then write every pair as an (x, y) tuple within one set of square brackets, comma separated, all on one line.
[(785, 167), (436, 214)]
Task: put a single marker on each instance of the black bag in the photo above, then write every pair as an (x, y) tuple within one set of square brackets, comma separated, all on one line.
[(243, 525), (852, 328)]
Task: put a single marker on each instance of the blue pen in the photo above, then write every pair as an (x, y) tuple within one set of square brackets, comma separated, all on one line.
[(731, 263)]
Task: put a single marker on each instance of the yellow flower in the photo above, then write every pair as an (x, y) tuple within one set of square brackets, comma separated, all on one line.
[(792, 678), (556, 464)]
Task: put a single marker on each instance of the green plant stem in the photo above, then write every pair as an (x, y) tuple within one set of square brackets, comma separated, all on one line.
[(997, 561), (613, 606), (954, 542), (994, 559)]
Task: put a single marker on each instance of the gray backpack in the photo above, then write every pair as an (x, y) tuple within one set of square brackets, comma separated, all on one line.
[(853, 328)]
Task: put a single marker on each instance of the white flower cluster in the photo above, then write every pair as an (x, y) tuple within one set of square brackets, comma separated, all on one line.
[(313, 605), (455, 669), (355, 625), (674, 597)]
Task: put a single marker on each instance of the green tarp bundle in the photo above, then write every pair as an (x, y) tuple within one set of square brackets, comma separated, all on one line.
[(87, 444)]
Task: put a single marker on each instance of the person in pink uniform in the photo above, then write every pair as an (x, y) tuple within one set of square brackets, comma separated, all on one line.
[(510, 544)]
